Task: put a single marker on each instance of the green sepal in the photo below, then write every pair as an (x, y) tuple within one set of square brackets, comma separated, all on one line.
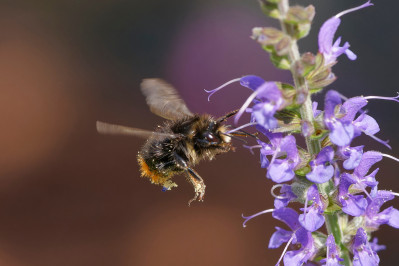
[(303, 171), (299, 18), (319, 134), (267, 35), (300, 15), (305, 65), (305, 158), (321, 76), (315, 90), (300, 187), (281, 62), (333, 208), (270, 8)]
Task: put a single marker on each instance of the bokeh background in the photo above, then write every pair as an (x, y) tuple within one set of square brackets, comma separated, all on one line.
[(69, 196)]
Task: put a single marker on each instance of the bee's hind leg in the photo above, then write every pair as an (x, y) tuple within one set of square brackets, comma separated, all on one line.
[(193, 177), (198, 183)]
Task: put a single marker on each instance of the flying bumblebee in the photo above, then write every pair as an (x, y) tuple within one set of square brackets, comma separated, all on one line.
[(180, 143)]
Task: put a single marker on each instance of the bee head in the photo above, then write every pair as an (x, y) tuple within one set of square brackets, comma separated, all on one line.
[(211, 135)]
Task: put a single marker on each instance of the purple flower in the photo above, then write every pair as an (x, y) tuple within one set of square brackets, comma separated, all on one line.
[(359, 176), (363, 254), (342, 123), (322, 170), (252, 82), (351, 155), (341, 131), (363, 123), (374, 218), (290, 218), (312, 217), (285, 197), (354, 205), (298, 235), (279, 170), (333, 258), (267, 99), (330, 49)]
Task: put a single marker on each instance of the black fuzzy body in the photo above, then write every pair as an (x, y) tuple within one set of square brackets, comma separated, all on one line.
[(167, 156)]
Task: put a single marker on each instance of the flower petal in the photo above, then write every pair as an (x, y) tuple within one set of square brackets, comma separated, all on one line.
[(252, 82)]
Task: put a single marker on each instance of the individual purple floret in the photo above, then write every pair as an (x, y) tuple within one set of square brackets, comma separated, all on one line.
[(363, 123), (375, 218), (359, 176), (251, 81), (322, 170), (267, 99), (363, 254), (330, 49), (354, 205), (351, 156), (279, 170), (312, 217), (285, 197), (342, 123), (341, 131), (332, 258), (298, 235)]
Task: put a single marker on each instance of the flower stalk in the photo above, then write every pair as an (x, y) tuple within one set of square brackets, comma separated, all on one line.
[(306, 111)]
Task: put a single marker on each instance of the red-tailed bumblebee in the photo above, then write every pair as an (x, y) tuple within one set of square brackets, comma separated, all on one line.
[(180, 143)]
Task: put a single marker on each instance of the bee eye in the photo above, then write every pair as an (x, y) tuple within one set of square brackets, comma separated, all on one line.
[(210, 137)]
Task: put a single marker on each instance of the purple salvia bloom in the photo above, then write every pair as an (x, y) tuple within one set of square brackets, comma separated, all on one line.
[(312, 217), (279, 237), (322, 170), (333, 258), (279, 170), (298, 235), (363, 254), (252, 82), (341, 131), (290, 218), (364, 123), (285, 197), (354, 205), (351, 156), (268, 99), (305, 253), (330, 49), (374, 218), (359, 176)]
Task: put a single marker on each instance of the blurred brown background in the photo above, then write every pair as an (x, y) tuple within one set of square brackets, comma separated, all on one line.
[(69, 196)]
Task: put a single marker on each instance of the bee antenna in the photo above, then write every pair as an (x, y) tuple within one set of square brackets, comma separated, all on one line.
[(234, 137)]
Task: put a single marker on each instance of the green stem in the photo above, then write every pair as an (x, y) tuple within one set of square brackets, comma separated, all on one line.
[(313, 146)]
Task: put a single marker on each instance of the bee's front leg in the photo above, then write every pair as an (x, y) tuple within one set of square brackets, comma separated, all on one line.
[(193, 177)]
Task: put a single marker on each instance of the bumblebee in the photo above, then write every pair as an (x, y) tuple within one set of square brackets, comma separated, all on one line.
[(180, 143)]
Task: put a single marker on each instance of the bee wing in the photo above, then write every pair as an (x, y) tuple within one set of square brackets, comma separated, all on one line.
[(111, 129), (163, 99)]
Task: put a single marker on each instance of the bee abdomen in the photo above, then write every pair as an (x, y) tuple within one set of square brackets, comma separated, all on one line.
[(155, 176)]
